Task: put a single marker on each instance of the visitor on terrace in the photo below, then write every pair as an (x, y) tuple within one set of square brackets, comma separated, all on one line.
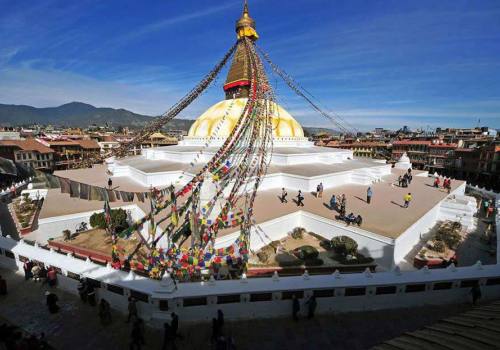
[(283, 195), (333, 202)]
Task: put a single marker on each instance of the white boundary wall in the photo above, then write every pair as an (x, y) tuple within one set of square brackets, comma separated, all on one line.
[(263, 297)]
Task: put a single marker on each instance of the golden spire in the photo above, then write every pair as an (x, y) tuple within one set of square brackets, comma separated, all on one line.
[(245, 26)]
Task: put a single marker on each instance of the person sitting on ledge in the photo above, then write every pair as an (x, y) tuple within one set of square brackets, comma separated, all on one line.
[(349, 219)]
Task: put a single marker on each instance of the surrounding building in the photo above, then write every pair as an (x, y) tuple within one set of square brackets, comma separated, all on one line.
[(28, 152), (70, 153), (417, 151)]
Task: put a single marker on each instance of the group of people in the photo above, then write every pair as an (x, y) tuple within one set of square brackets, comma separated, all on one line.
[(11, 337), (446, 183), (86, 291), (405, 180), (488, 207), (38, 272)]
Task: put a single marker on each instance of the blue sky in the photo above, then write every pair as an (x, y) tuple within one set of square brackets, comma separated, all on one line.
[(375, 63)]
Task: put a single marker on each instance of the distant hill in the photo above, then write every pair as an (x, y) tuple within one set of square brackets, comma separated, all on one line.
[(309, 131), (78, 114)]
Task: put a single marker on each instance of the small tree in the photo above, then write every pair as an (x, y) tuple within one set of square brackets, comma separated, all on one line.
[(118, 220), (344, 245)]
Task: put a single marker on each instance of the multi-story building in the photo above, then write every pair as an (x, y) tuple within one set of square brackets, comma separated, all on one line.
[(417, 151), (28, 152), (368, 149), (70, 153), (441, 157)]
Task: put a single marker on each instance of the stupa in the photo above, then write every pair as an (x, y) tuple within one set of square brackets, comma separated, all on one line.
[(292, 152)]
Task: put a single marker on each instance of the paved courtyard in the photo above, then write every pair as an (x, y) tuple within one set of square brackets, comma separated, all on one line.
[(77, 326)]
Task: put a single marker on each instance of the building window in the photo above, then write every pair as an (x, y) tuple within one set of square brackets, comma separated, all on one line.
[(24, 156)]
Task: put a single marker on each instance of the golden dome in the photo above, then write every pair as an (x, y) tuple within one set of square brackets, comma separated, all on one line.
[(284, 125)]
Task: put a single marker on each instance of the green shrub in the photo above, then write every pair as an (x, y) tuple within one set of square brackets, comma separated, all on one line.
[(306, 252), (344, 245), (439, 246), (118, 220), (287, 260), (298, 233)]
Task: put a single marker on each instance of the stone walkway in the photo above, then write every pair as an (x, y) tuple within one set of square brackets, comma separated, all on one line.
[(77, 326)]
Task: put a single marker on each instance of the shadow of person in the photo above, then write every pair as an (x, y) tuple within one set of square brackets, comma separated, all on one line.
[(328, 206), (399, 205), (361, 199), (281, 199), (295, 201)]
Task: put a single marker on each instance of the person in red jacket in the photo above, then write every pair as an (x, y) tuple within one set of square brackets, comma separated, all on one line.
[(52, 277)]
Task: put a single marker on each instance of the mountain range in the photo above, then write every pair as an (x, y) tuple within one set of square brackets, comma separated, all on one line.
[(78, 114)]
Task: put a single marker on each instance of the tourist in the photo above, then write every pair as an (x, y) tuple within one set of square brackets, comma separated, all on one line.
[(51, 300), (215, 330), (91, 294), (349, 219), (486, 205), (82, 290), (220, 319), (407, 198), (359, 220), (300, 199), (136, 336), (175, 325), (319, 190), (476, 293), (3, 286), (283, 195), (400, 180), (333, 202), (35, 271), (110, 183), (27, 267), (43, 274), (343, 203), (490, 210), (295, 307), (51, 276), (132, 309), (104, 312), (437, 182), (311, 306), (409, 177), (168, 338), (369, 194)]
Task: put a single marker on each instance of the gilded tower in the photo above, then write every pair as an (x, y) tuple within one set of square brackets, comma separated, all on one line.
[(238, 78)]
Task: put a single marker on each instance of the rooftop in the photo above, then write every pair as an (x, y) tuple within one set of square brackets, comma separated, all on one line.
[(384, 216), (27, 145)]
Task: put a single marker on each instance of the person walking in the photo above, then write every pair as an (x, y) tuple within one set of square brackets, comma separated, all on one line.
[(52, 300), (51, 277), (319, 190), (476, 293), (82, 290), (132, 309), (300, 199), (369, 194), (104, 312), (400, 180), (215, 330), (168, 338), (283, 195), (220, 319), (295, 307), (333, 202), (110, 183), (311, 306), (407, 198), (175, 325), (136, 337), (3, 286)]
